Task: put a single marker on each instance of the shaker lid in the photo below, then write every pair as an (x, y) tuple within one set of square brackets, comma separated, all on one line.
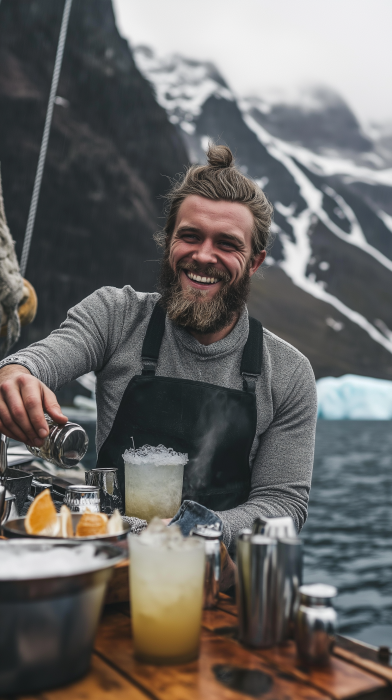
[(81, 488), (318, 592)]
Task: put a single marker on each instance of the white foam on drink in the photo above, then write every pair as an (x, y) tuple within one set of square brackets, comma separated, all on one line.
[(157, 534), (154, 456), (21, 562)]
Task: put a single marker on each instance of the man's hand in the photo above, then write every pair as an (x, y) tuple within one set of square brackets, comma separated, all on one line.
[(23, 400)]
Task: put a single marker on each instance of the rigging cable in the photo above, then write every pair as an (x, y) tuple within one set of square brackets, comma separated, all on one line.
[(45, 138)]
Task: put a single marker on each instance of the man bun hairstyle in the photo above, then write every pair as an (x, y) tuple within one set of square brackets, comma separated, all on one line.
[(220, 179), (220, 157)]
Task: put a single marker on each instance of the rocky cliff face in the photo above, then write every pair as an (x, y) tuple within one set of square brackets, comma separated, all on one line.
[(111, 147), (327, 285)]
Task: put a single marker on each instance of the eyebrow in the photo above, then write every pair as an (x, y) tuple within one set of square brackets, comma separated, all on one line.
[(227, 236)]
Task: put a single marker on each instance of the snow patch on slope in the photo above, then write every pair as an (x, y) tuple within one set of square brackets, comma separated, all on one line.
[(297, 253), (182, 86)]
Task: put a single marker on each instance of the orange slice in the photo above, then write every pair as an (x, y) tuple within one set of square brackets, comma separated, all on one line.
[(91, 524), (66, 529), (115, 524), (41, 518)]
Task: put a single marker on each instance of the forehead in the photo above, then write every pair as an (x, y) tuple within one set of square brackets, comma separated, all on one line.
[(215, 216)]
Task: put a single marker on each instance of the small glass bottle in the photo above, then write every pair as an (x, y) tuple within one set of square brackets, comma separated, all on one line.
[(65, 445)]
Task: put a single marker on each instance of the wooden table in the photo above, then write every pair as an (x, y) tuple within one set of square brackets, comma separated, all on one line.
[(225, 669)]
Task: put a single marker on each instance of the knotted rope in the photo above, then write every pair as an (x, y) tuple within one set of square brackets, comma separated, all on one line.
[(11, 284)]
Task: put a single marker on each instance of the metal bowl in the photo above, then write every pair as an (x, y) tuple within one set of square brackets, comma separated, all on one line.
[(18, 482), (48, 624), (16, 528)]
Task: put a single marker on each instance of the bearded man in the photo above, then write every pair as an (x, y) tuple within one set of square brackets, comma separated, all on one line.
[(188, 368)]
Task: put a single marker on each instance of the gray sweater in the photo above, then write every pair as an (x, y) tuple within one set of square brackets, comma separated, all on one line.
[(104, 334)]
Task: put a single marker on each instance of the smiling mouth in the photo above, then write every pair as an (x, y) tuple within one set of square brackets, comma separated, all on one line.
[(201, 280)]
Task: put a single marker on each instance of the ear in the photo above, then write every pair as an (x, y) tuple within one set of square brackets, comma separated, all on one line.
[(257, 261)]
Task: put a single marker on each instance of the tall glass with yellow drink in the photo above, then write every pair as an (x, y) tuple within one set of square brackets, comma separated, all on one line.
[(166, 589)]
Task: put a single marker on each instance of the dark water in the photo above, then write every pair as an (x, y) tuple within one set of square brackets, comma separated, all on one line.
[(348, 535)]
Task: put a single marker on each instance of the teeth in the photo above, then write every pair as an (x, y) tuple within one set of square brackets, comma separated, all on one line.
[(203, 280)]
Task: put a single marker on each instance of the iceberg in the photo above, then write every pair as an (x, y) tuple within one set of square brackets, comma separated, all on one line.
[(352, 397)]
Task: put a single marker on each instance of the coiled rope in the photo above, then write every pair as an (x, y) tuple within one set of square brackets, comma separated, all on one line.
[(45, 138)]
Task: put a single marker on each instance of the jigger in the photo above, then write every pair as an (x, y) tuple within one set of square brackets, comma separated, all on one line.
[(109, 490)]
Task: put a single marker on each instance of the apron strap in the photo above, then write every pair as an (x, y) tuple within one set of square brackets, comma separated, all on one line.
[(153, 339), (252, 356)]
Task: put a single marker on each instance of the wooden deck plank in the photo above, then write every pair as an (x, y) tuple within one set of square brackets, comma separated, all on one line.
[(218, 620), (378, 669), (227, 604), (196, 680), (337, 679), (102, 683), (340, 679)]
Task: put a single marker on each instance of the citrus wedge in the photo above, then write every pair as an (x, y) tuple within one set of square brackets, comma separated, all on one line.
[(91, 524), (41, 518), (66, 529), (115, 524)]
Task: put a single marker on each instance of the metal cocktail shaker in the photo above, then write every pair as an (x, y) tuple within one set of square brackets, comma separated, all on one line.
[(289, 579), (109, 490), (256, 581), (315, 623), (65, 445), (212, 537)]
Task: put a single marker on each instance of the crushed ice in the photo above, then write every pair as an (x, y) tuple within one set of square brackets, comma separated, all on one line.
[(26, 562), (159, 534), (154, 455)]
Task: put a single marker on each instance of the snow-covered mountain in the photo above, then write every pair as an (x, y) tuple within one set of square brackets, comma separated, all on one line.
[(327, 288)]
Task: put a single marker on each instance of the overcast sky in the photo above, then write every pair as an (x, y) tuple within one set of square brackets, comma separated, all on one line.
[(258, 44)]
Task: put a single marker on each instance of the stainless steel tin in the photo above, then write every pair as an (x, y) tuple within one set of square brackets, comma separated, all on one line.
[(48, 624), (276, 528), (18, 482), (256, 583), (10, 509), (78, 498), (212, 537), (65, 445), (109, 490), (289, 579), (2, 501), (3, 457), (315, 623)]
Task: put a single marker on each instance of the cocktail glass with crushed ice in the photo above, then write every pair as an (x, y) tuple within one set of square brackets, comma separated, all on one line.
[(153, 481), (166, 590)]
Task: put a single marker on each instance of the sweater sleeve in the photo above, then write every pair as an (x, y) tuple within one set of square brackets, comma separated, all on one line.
[(282, 469), (83, 343)]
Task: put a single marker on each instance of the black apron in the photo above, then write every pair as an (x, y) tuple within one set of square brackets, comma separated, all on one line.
[(215, 426)]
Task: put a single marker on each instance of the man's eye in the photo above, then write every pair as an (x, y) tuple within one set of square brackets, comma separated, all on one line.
[(227, 244)]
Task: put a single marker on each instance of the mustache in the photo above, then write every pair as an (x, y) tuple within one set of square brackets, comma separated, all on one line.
[(209, 271), (191, 308)]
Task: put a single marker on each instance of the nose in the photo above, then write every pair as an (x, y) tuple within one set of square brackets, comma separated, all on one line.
[(204, 253)]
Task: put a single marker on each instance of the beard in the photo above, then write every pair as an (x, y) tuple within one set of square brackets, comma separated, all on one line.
[(191, 308)]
